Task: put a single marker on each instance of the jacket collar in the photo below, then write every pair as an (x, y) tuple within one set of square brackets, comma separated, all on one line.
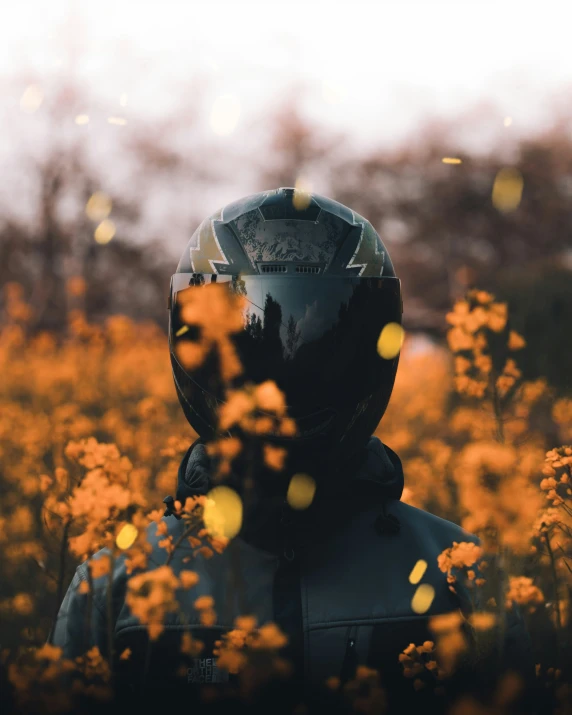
[(376, 464)]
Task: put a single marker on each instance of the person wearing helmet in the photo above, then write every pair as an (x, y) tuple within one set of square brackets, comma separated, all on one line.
[(318, 287)]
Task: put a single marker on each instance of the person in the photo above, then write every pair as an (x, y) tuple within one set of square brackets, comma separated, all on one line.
[(318, 288)]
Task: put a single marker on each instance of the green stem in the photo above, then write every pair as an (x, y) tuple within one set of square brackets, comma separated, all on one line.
[(109, 609), (556, 586), (501, 603), (61, 575), (497, 406), (502, 580), (89, 609), (187, 532)]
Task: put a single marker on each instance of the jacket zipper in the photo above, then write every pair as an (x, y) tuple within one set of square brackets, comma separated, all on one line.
[(350, 662), (287, 593)]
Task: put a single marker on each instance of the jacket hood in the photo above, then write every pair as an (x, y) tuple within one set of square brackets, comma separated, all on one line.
[(376, 464)]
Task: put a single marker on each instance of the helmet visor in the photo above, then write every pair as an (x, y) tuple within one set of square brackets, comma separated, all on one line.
[(315, 336)]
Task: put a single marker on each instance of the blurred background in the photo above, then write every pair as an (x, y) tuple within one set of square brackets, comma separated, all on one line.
[(446, 124)]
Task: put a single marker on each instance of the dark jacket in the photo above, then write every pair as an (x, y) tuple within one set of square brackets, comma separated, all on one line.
[(335, 578)]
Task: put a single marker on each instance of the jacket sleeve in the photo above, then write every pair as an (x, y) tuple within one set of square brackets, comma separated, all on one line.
[(72, 632)]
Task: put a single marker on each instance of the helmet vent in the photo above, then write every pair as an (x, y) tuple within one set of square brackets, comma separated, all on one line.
[(274, 268), (307, 269)]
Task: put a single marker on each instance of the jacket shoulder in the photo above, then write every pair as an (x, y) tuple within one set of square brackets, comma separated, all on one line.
[(423, 521)]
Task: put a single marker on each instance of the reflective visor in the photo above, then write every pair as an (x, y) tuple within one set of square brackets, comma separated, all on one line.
[(315, 336)]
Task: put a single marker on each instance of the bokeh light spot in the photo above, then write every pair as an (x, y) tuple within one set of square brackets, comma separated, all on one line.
[(104, 232), (390, 341), (423, 598), (82, 119), (301, 491), (507, 189), (507, 121), (225, 113), (223, 512), (98, 206), (31, 99), (118, 121), (123, 99), (418, 571), (126, 536), (302, 194), (451, 160)]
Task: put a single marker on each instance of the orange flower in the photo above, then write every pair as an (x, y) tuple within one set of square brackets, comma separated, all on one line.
[(497, 316), (204, 603), (459, 340), (190, 646), (218, 313), (274, 457), (269, 636), (23, 604), (483, 297), (459, 313), (288, 427), (151, 595), (445, 622), (190, 355), (482, 621), (523, 591), (231, 661), (245, 623), (208, 617), (268, 397), (49, 652), (459, 555), (100, 566), (515, 341), (188, 578), (238, 404)]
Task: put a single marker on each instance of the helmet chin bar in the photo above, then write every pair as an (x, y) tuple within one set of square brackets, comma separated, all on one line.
[(306, 452), (300, 437)]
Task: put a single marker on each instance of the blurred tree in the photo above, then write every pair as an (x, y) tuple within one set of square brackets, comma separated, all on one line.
[(440, 224), (54, 241), (293, 335), (296, 149)]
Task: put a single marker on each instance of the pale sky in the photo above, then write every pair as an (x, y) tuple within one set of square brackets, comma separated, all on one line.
[(375, 69)]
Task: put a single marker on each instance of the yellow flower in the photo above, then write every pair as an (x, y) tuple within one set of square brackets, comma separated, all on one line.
[(459, 340), (268, 397), (497, 317), (23, 604), (49, 652), (515, 341), (188, 578), (203, 603), (274, 457)]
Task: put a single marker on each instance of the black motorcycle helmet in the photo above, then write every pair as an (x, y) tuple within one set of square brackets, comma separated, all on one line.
[(320, 287)]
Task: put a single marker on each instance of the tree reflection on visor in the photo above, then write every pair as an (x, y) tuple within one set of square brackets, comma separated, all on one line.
[(315, 336)]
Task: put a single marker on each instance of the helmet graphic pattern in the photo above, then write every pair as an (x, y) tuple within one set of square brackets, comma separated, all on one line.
[(267, 228)]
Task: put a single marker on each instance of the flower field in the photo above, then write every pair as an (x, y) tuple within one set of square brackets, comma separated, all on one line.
[(91, 437)]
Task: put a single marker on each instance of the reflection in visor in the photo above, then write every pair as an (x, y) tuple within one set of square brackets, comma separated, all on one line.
[(315, 336)]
